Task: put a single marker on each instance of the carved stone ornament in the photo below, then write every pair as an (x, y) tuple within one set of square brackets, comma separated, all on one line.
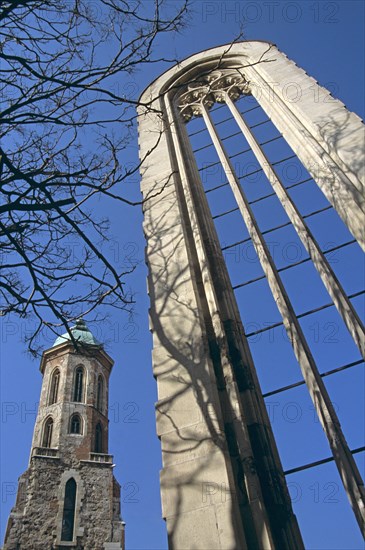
[(209, 89)]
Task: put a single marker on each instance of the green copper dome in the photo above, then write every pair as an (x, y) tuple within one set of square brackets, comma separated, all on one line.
[(81, 333)]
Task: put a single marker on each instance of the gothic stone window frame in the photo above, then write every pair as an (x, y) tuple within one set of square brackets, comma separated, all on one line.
[(78, 530), (79, 384), (54, 386), (69, 511), (100, 393), (73, 424), (47, 433), (325, 150), (99, 438)]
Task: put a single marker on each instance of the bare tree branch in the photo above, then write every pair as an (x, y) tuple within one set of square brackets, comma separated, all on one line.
[(66, 123)]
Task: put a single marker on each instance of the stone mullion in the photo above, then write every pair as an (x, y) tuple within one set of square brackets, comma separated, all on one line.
[(192, 305), (344, 460), (329, 279), (194, 451), (264, 457), (186, 161), (339, 190), (239, 412)]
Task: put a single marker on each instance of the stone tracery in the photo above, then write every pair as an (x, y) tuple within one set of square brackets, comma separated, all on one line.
[(192, 254), (212, 88)]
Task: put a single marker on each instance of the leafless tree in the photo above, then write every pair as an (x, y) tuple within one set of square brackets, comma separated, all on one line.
[(65, 124)]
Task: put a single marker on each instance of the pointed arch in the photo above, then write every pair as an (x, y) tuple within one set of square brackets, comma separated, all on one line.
[(69, 507), (79, 382), (47, 433), (75, 426), (77, 531), (325, 140), (54, 387)]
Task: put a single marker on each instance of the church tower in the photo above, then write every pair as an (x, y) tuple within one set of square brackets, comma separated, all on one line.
[(68, 497)]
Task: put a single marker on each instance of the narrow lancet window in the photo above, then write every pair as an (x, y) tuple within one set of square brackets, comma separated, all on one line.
[(47, 433), (68, 519), (99, 393), (98, 447), (55, 382), (79, 384)]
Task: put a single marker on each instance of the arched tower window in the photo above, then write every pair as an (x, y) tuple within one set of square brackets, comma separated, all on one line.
[(68, 519), (98, 446), (47, 433), (99, 393), (55, 382), (75, 424), (79, 385)]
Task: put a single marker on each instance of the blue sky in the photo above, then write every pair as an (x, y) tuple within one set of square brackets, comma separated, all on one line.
[(326, 39)]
